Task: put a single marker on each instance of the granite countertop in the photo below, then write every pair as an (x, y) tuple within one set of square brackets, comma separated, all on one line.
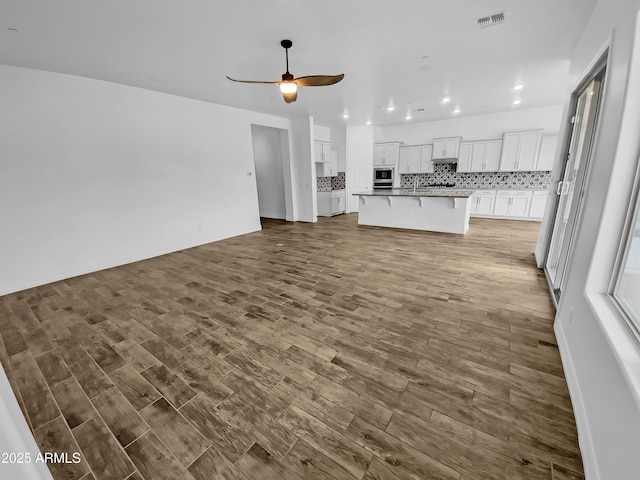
[(511, 188), (420, 192)]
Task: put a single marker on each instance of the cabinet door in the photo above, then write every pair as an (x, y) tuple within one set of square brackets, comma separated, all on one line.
[(492, 156), (378, 154), (501, 208), (439, 148), (485, 204), (452, 147), (409, 161), (538, 203), (478, 154), (547, 153), (426, 165), (509, 155), (335, 204), (464, 157), (528, 152), (385, 154), (390, 154), (333, 163), (317, 152), (519, 206)]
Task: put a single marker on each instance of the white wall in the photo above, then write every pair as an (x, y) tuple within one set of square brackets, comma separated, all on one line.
[(600, 355), (339, 143), (304, 169), (321, 133), (269, 160), (359, 174), (96, 174), (476, 127)]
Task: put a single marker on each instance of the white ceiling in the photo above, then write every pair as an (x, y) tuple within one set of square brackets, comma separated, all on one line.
[(187, 47)]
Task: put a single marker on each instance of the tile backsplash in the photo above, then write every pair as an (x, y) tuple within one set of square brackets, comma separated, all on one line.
[(445, 173), (326, 184)]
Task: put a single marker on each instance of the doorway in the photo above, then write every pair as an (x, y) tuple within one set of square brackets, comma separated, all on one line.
[(271, 158), (571, 187)]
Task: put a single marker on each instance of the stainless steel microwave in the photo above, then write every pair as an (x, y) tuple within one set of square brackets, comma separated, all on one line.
[(383, 174), (382, 178)]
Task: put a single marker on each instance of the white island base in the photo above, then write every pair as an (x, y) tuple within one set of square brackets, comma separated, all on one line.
[(439, 213)]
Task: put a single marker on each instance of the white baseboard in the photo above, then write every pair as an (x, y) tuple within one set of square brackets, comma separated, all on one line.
[(498, 217), (277, 216), (584, 432)]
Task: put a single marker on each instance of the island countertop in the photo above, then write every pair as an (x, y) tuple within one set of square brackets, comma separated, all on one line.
[(420, 192)]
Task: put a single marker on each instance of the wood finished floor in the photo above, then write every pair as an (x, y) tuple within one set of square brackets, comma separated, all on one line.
[(304, 351)]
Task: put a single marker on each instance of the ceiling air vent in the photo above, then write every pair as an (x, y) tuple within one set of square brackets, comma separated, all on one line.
[(491, 20)]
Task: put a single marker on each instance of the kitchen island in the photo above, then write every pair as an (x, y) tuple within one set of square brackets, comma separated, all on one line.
[(434, 209)]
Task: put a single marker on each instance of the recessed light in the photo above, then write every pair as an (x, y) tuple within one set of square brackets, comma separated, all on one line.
[(457, 110), (345, 115), (368, 122), (446, 99), (518, 87), (408, 117), (421, 110), (12, 30), (516, 102), (390, 108)]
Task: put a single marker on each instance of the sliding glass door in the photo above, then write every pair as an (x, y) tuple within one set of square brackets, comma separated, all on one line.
[(570, 189)]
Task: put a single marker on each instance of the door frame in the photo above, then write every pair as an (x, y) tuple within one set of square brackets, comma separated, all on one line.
[(598, 68)]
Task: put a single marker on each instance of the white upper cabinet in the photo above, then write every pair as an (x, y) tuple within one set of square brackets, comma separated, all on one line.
[(426, 165), (322, 152), (520, 151), (492, 156), (446, 147), (547, 153), (464, 157), (478, 152), (386, 153), (486, 156), (409, 161), (482, 156), (330, 167), (415, 159)]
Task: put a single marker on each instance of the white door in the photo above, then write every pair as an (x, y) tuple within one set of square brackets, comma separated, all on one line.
[(360, 162), (571, 189)]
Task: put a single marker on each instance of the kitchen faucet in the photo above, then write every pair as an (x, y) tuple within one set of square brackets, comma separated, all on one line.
[(415, 184)]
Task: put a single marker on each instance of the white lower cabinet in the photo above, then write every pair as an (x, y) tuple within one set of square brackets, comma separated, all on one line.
[(517, 204), (538, 204), (482, 202), (331, 203)]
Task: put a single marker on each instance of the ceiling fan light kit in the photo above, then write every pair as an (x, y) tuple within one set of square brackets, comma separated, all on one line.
[(289, 84)]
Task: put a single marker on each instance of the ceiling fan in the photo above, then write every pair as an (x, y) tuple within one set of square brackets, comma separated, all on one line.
[(289, 85)]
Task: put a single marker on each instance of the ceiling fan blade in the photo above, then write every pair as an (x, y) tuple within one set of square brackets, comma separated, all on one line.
[(290, 97), (253, 81), (318, 80)]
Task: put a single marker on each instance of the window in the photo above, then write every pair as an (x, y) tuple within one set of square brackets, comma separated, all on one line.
[(627, 289)]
